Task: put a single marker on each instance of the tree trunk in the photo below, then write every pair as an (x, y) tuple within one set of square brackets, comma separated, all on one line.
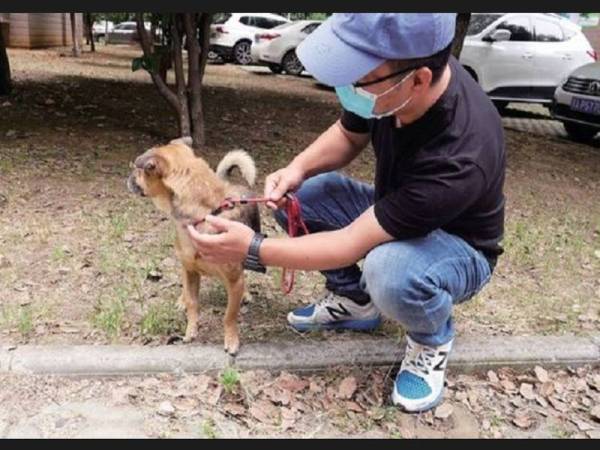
[(193, 84), (5, 84), (90, 30), (76, 49), (185, 127), (462, 24)]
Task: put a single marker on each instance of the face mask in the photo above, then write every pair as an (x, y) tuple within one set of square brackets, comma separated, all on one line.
[(362, 103)]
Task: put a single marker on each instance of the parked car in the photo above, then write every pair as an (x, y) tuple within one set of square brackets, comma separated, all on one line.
[(522, 57), (100, 28), (125, 33), (231, 34), (577, 102), (277, 47)]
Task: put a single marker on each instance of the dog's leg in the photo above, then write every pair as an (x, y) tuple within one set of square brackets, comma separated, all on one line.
[(235, 293), (191, 286)]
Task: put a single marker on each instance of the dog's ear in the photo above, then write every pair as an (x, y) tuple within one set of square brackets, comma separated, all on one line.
[(152, 165)]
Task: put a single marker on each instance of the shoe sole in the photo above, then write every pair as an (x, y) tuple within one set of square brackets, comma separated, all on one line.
[(357, 325), (427, 407)]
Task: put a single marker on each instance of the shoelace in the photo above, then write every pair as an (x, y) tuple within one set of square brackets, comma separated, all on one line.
[(419, 358)]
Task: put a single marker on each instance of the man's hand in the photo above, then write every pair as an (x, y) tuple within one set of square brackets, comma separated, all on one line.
[(280, 182), (229, 246)]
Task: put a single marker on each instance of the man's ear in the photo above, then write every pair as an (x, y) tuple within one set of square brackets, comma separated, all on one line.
[(422, 78)]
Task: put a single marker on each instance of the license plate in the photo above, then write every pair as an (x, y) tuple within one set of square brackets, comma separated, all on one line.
[(585, 105)]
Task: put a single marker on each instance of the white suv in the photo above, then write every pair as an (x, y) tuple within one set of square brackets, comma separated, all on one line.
[(232, 34), (522, 57)]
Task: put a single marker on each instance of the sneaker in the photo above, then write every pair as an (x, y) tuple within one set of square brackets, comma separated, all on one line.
[(419, 384), (335, 312)]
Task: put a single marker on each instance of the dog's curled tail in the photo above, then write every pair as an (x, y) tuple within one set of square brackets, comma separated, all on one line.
[(241, 160)]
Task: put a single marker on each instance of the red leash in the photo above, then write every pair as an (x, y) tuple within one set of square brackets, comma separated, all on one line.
[(295, 223)]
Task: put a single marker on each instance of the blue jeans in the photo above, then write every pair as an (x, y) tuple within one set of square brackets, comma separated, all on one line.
[(414, 282)]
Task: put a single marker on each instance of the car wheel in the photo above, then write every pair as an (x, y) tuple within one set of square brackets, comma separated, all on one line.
[(579, 132), (291, 64), (275, 68), (241, 53), (500, 105)]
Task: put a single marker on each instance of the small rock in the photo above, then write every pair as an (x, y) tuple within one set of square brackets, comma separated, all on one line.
[(128, 237), (11, 133), (49, 101), (541, 374), (486, 424), (64, 270), (166, 409), (444, 411), (6, 103)]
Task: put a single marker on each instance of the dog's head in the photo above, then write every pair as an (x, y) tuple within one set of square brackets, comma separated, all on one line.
[(173, 174)]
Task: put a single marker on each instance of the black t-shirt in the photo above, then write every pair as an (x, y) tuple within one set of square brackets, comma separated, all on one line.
[(445, 170)]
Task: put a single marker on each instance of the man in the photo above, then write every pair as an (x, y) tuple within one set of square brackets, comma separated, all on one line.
[(429, 230)]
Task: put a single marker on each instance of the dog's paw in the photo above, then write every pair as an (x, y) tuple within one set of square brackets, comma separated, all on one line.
[(232, 344), (191, 333)]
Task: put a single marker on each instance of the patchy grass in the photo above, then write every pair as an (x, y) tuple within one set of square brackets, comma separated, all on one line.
[(208, 429), (230, 379), (162, 318)]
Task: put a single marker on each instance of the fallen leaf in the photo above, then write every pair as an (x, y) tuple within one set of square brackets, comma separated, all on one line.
[(546, 389), (444, 411), (508, 386), (523, 421), (215, 395), (406, 433), (526, 390), (593, 434), (291, 383), (347, 388), (278, 396), (353, 406), (541, 374), (558, 405), (234, 409), (541, 401), (582, 425), (492, 377), (595, 412), (264, 411)]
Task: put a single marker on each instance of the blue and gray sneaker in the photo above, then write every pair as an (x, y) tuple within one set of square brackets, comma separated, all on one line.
[(335, 312), (419, 384)]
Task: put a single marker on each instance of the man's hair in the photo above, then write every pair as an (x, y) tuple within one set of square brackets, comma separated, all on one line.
[(436, 63)]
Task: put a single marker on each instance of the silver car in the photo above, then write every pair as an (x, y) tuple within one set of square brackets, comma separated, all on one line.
[(577, 102)]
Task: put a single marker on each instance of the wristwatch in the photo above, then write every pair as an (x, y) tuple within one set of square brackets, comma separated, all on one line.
[(252, 261)]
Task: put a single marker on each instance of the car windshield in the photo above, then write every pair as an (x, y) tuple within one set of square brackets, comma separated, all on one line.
[(479, 22)]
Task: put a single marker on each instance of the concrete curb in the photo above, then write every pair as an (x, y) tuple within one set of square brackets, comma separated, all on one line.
[(469, 354)]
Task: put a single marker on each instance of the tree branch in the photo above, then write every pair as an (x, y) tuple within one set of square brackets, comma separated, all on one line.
[(161, 85)]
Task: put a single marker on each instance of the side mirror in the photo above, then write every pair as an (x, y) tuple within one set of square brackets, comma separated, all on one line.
[(498, 36)]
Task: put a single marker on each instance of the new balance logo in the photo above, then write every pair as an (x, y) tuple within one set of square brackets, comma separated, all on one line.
[(336, 313), (440, 365)]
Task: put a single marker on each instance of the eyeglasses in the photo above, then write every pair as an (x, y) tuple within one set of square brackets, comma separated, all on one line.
[(379, 80)]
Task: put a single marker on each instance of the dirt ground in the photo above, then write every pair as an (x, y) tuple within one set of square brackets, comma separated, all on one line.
[(84, 261), (340, 403)]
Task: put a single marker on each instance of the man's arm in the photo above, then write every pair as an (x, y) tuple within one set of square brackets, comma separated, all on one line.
[(326, 250), (333, 149)]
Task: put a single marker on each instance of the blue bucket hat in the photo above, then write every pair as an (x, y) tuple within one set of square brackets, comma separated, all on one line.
[(347, 46)]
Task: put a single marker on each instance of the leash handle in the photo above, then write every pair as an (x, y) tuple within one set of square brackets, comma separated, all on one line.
[(295, 223)]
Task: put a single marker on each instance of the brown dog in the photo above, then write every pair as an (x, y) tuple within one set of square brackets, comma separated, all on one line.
[(184, 187)]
